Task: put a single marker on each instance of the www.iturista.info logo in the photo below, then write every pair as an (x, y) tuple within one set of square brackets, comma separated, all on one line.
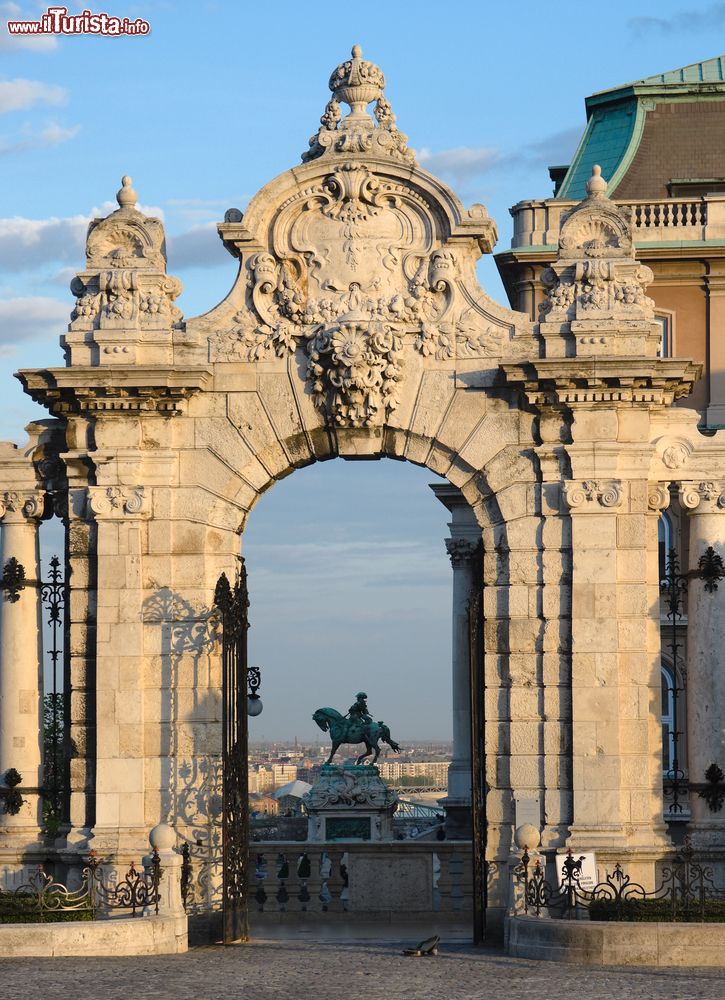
[(57, 21)]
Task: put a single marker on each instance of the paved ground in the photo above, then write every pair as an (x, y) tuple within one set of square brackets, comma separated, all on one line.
[(303, 970)]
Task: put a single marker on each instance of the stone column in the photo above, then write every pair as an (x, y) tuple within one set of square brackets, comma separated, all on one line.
[(461, 547), (21, 667), (715, 290), (705, 655)]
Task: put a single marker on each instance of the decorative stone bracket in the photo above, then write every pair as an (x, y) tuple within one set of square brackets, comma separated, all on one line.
[(590, 494), (118, 502)]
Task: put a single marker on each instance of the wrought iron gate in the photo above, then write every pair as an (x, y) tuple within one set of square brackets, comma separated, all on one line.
[(479, 827), (233, 605)]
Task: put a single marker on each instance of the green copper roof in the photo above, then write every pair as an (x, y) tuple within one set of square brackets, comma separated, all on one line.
[(605, 141), (708, 71), (617, 116)]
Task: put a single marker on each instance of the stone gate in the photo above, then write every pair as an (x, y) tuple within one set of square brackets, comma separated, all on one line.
[(357, 328)]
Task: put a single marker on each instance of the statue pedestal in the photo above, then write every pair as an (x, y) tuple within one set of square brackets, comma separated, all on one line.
[(350, 803)]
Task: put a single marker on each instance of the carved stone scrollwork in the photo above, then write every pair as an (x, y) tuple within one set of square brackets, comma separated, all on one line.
[(596, 284), (22, 504), (591, 493), (356, 278), (117, 502), (349, 268), (124, 294), (707, 497), (460, 550), (658, 496)]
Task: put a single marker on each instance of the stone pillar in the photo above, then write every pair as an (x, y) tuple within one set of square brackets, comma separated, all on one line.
[(617, 770), (21, 667), (461, 546), (120, 513), (705, 655)]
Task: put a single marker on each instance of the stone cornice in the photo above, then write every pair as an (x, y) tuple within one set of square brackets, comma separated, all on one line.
[(577, 381), (123, 391)]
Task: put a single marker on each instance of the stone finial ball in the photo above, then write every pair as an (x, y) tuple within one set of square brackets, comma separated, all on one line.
[(527, 835), (163, 837), (596, 184), (126, 196), (356, 52)]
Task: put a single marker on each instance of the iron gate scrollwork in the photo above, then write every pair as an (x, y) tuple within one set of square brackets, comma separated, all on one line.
[(233, 606)]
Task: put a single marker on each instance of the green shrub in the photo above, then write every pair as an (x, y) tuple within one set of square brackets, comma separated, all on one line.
[(655, 911), (23, 909)]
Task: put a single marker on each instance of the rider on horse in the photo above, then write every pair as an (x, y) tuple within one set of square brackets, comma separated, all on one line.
[(358, 713)]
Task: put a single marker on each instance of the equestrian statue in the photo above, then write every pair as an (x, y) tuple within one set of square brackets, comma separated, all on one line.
[(355, 727)]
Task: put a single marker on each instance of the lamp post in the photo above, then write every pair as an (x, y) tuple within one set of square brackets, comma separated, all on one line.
[(254, 702)]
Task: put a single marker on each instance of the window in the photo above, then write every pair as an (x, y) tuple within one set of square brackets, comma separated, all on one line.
[(665, 541), (665, 324), (668, 718)]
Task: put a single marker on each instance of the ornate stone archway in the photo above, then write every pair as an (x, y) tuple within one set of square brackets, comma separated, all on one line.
[(357, 328)]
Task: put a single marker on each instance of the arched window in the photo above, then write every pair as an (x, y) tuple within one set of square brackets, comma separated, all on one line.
[(665, 541), (668, 718)]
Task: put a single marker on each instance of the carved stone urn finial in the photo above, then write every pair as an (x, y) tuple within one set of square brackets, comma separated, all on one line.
[(357, 83), (126, 196), (596, 185)]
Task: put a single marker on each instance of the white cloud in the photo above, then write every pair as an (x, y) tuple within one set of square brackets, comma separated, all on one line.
[(9, 43), (106, 207), (199, 246), (196, 211), (29, 243), (461, 163), (20, 94), (30, 318), (51, 135), (708, 19), (555, 149)]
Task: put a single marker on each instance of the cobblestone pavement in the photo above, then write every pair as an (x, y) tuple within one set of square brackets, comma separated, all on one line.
[(273, 970)]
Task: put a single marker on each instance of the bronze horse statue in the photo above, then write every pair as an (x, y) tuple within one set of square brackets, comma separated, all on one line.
[(344, 730)]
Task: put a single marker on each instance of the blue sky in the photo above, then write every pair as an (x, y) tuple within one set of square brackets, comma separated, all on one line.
[(214, 102)]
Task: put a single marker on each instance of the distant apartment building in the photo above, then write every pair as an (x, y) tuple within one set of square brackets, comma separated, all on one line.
[(266, 779), (261, 780), (434, 772), (283, 773)]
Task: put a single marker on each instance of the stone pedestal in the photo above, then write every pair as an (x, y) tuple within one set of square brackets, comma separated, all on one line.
[(350, 803)]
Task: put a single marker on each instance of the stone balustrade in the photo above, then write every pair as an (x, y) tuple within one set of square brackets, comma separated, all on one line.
[(537, 222), (395, 877)]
